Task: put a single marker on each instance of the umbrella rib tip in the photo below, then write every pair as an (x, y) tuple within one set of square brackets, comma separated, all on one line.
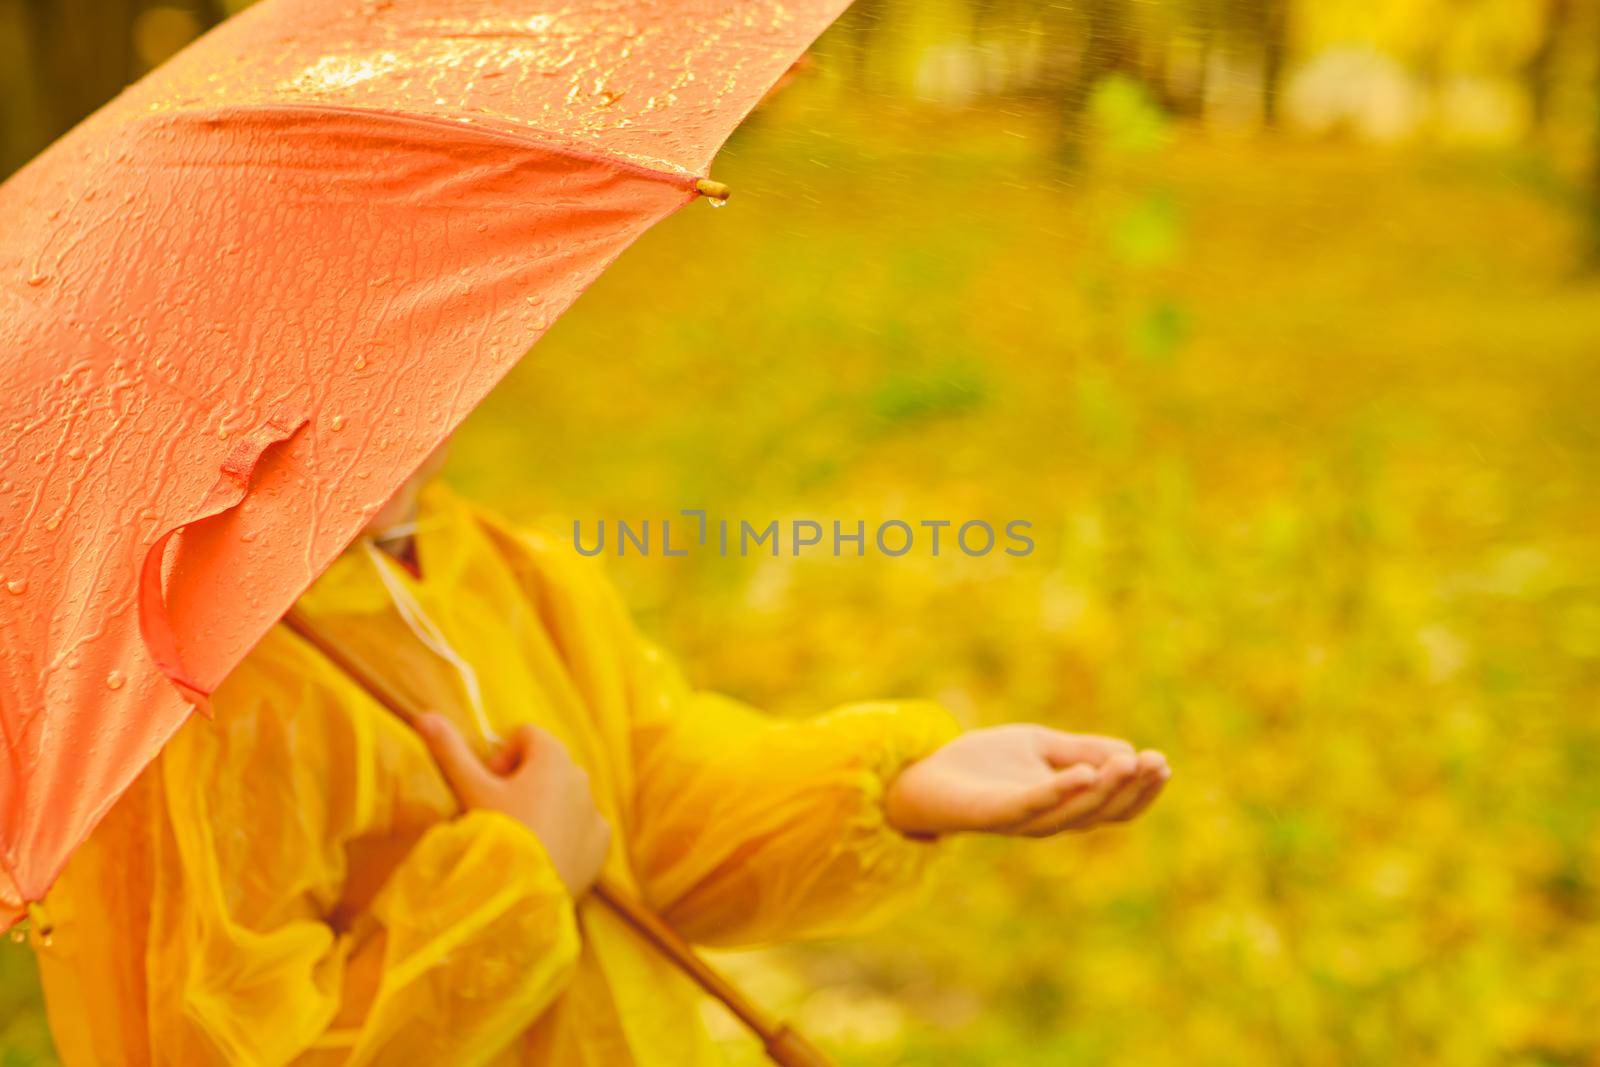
[(713, 191), (42, 924)]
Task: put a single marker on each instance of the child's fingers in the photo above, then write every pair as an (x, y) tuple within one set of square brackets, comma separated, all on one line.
[(1152, 790), (467, 775), (514, 753), (1146, 798), (1151, 772), (1064, 749), (1040, 799), (1085, 806)]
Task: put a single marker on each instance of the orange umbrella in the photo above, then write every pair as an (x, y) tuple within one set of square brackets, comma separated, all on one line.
[(240, 304)]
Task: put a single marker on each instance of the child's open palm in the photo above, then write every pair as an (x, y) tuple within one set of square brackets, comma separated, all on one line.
[(1026, 780)]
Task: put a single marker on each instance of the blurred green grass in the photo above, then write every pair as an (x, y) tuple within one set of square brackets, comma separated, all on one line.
[(1306, 432)]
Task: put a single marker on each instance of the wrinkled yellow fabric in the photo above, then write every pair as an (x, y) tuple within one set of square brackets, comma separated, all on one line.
[(293, 883)]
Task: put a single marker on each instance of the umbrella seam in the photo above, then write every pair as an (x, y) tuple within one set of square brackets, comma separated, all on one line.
[(508, 133)]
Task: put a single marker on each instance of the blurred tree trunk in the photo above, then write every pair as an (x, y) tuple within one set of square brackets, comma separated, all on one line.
[(18, 95), (1274, 52), (1107, 48), (865, 19), (83, 56), (1202, 20), (71, 57), (1260, 29), (1594, 162), (1156, 69), (1539, 72)]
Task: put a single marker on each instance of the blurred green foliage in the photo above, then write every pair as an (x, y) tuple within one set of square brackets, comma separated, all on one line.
[(1305, 427), (1306, 432)]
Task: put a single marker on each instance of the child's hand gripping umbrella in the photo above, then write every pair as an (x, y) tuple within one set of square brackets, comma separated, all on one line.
[(783, 1044), (243, 302)]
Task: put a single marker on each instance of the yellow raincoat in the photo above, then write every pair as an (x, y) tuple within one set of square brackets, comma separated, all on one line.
[(294, 883)]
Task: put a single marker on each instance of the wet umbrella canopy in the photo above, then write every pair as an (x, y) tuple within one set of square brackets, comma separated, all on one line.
[(243, 302)]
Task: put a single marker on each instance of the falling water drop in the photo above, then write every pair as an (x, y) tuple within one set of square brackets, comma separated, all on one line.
[(18, 935), (114, 680)]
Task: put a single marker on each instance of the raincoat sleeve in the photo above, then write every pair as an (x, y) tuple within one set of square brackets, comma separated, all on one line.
[(743, 828), (753, 829), (270, 945)]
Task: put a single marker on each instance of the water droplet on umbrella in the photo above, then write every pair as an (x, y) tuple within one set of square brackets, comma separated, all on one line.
[(18, 586), (38, 279), (115, 680), (53, 523), (361, 363), (337, 422), (18, 935)]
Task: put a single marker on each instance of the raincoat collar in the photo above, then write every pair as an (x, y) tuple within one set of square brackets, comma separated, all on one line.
[(352, 586)]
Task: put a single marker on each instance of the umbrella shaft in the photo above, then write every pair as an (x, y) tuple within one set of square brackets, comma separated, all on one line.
[(783, 1045)]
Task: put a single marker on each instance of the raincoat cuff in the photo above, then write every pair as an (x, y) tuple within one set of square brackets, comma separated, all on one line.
[(918, 729)]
